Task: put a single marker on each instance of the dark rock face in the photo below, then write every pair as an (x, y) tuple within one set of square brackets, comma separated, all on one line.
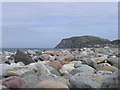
[(22, 57), (82, 41)]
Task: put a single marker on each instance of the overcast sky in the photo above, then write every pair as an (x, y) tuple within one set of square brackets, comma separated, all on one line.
[(44, 25)]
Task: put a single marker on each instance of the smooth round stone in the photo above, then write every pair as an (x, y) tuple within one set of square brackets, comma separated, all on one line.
[(51, 84), (45, 57), (83, 68), (83, 80), (112, 81), (14, 82)]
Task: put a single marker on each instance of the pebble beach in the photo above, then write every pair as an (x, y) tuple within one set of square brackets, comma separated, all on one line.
[(61, 68)]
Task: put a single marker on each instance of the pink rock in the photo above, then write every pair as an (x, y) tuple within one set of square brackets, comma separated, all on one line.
[(13, 82)]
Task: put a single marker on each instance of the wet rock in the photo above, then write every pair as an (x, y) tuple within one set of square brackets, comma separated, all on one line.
[(22, 57), (52, 84), (83, 80), (83, 68), (111, 82)]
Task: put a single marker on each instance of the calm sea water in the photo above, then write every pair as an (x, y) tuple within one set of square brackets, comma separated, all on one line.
[(25, 49)]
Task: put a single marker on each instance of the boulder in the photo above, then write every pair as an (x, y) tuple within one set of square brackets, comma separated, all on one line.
[(52, 84), (101, 72), (30, 52), (66, 69), (31, 79), (18, 71), (83, 80), (56, 64), (83, 68), (44, 57), (14, 82), (22, 57), (113, 61), (76, 63), (112, 81), (100, 59)]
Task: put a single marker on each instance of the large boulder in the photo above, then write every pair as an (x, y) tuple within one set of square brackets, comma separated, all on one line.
[(22, 57), (83, 80), (52, 84), (112, 81)]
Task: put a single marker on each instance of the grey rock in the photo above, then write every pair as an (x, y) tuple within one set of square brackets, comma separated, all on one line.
[(113, 61), (22, 57), (83, 68), (112, 81), (104, 72), (77, 63), (31, 79), (83, 80)]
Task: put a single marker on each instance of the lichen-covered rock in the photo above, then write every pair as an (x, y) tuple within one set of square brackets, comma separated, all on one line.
[(22, 57), (52, 84), (111, 82)]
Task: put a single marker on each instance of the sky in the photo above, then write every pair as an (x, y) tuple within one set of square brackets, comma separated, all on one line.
[(45, 24)]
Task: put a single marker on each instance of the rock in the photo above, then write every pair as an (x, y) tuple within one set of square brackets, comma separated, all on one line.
[(90, 61), (104, 72), (100, 59), (76, 63), (41, 68), (56, 64), (22, 57), (31, 79), (18, 71), (111, 81), (103, 64), (58, 79), (14, 82), (50, 52), (83, 80), (44, 57), (66, 69), (52, 70), (108, 68), (30, 52), (52, 84), (3, 69), (83, 68), (113, 61)]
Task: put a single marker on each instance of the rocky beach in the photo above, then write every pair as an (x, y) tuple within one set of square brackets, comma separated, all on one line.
[(60, 68)]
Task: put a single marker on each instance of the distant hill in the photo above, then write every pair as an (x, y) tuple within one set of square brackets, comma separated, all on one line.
[(115, 42), (82, 41)]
